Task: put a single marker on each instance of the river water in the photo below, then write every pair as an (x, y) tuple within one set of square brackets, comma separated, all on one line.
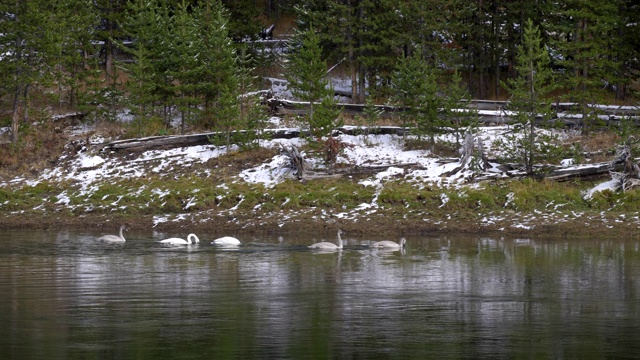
[(64, 295)]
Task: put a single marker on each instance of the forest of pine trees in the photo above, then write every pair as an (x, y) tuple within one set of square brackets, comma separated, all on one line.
[(190, 60)]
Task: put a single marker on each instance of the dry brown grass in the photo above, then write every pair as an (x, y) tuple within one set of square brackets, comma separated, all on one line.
[(36, 150), (600, 146), (234, 162)]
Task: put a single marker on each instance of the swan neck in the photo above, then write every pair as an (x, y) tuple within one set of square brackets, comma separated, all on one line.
[(339, 240), (121, 235), (195, 239)]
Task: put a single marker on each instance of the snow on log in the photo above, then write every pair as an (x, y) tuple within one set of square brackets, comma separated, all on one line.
[(624, 180), (612, 185), (176, 141), (489, 112)]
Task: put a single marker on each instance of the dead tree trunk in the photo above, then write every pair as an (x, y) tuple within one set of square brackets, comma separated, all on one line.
[(296, 160), (473, 155)]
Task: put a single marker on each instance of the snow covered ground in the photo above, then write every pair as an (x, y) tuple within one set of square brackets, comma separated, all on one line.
[(89, 168)]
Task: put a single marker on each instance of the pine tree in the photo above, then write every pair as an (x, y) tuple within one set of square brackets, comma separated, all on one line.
[(144, 22), (218, 70), (252, 114), (377, 41), (585, 38), (243, 19), (30, 47), (75, 32), (530, 93), (627, 47), (371, 114), (307, 79), (184, 47), (455, 106), (415, 92), (307, 72)]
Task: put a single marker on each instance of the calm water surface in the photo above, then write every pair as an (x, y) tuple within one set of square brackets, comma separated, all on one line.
[(65, 296)]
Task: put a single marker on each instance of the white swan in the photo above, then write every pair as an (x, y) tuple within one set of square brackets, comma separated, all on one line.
[(390, 244), (226, 241), (179, 241), (114, 238), (327, 245)]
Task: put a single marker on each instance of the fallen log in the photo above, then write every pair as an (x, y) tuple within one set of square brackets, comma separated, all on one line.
[(176, 141), (488, 112), (579, 171)]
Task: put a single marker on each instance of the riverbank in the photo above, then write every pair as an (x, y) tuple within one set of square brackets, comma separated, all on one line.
[(390, 223), (216, 190)]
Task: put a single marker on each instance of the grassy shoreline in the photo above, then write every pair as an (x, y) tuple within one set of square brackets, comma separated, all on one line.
[(522, 208), (211, 196)]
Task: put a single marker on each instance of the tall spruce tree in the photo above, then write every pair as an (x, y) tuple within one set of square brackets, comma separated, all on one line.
[(218, 69), (30, 47), (307, 75), (378, 39), (306, 70), (415, 93), (184, 47), (627, 49), (530, 92), (144, 22), (252, 114), (243, 17), (585, 38), (455, 105), (75, 28)]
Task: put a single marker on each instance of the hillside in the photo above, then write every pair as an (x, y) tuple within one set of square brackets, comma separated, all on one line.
[(379, 183)]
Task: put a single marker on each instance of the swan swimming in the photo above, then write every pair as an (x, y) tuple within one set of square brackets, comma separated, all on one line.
[(114, 238), (390, 244), (179, 241), (226, 241), (327, 245)]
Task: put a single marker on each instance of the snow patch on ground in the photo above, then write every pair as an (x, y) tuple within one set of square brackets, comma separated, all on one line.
[(611, 185), (89, 168)]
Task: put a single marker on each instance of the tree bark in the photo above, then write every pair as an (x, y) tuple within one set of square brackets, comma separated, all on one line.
[(15, 116)]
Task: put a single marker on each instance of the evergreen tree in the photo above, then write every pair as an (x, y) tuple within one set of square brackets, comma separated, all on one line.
[(144, 22), (306, 71), (30, 47), (585, 37), (325, 118), (307, 80), (627, 48), (530, 94), (371, 114), (415, 93), (252, 114), (455, 106), (111, 14), (75, 29), (243, 19), (377, 41), (184, 48), (218, 69)]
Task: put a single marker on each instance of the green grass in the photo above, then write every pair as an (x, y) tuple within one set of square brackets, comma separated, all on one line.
[(155, 195)]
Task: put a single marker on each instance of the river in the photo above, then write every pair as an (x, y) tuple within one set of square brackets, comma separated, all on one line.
[(64, 295)]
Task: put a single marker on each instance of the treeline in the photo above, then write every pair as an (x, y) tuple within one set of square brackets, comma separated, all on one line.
[(161, 60), (594, 44), (192, 60)]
